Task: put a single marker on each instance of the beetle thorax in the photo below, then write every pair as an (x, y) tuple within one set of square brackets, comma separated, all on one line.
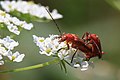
[(70, 38)]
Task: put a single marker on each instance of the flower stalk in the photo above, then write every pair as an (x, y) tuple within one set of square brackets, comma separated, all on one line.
[(32, 67)]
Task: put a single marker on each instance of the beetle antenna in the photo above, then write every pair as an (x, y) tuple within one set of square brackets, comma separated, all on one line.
[(54, 21)]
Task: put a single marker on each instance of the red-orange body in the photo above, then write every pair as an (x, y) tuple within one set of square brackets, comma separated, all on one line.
[(75, 42), (94, 41), (89, 44)]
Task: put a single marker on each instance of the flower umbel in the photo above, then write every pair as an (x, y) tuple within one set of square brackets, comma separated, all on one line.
[(16, 57), (14, 24), (51, 46), (9, 43), (29, 8), (6, 46)]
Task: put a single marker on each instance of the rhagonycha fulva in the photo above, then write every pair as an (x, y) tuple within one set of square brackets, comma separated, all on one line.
[(88, 44)]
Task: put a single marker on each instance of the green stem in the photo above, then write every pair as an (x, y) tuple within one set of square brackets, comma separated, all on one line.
[(31, 67)]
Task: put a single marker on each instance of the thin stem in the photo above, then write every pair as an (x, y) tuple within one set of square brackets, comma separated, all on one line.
[(31, 67)]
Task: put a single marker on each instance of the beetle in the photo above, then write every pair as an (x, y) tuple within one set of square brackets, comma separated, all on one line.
[(75, 42), (88, 44), (94, 41)]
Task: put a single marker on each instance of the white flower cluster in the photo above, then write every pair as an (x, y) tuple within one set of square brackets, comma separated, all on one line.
[(29, 7), (51, 46), (13, 24), (6, 46)]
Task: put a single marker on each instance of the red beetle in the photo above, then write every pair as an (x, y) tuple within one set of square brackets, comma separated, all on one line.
[(94, 41), (89, 44), (75, 42)]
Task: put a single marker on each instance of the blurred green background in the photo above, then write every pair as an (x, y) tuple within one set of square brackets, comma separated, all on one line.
[(80, 16)]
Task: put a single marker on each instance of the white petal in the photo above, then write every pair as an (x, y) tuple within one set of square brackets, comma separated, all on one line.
[(27, 26), (76, 65), (1, 62), (1, 57), (56, 15), (2, 51), (13, 29), (84, 65), (84, 68), (9, 55), (10, 43), (16, 54), (19, 58)]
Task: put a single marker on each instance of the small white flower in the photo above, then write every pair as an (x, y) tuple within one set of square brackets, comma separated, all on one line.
[(1, 62), (5, 6), (52, 37), (13, 24), (84, 65), (3, 51), (55, 15), (16, 57), (13, 29), (9, 43), (62, 54), (48, 46), (38, 40), (47, 52), (6, 46), (27, 26), (1, 57), (15, 20)]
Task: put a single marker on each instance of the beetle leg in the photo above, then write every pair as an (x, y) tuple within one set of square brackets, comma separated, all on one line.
[(83, 36), (68, 47), (74, 55)]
